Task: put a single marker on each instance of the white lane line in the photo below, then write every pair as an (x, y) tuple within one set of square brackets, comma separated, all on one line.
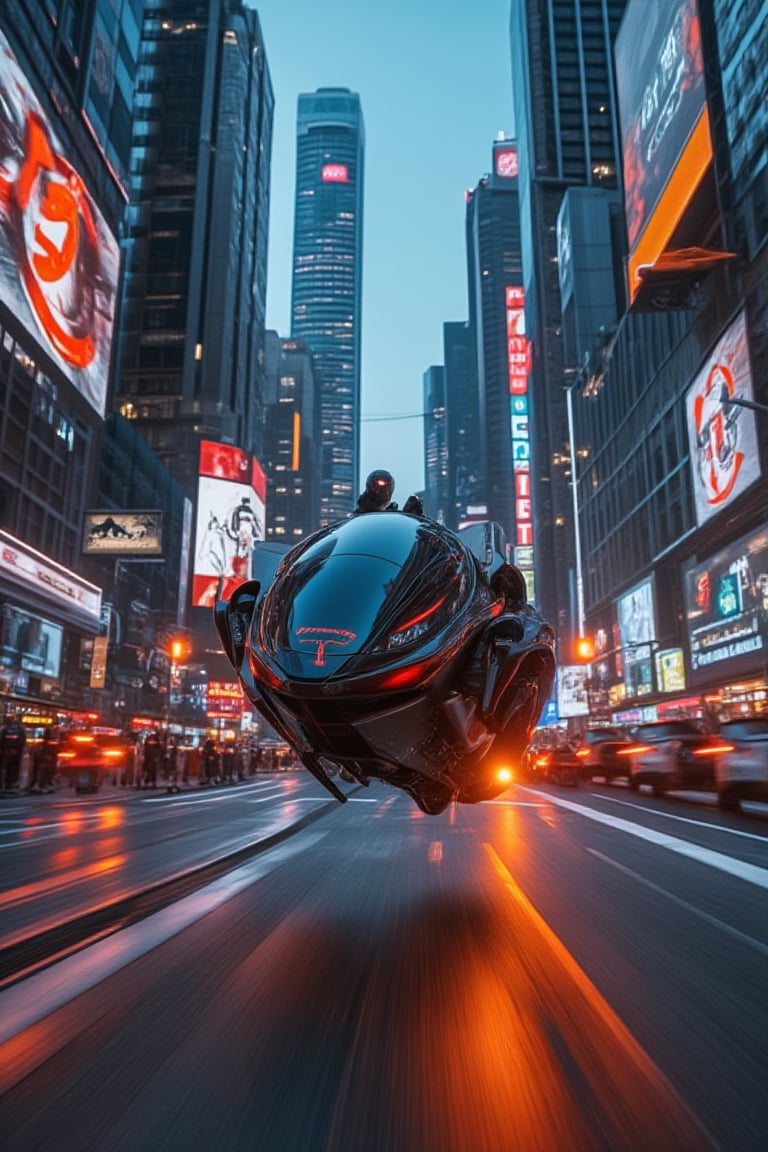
[(31, 1000), (721, 924), (749, 872), (682, 819)]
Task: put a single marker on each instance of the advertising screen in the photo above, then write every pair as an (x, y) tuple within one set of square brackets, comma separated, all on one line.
[(725, 597), (637, 628), (30, 643), (666, 143), (722, 438), (335, 174), (123, 533), (58, 259), (572, 690), (231, 498), (505, 162)]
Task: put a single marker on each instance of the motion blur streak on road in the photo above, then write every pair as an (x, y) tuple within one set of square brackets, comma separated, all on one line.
[(482, 981)]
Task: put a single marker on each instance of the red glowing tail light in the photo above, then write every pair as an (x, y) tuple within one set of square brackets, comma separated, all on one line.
[(713, 749), (634, 749), (583, 753), (114, 753)]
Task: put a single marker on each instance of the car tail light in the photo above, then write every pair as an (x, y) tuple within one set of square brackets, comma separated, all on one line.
[(66, 755), (87, 739), (713, 749), (633, 750), (583, 753), (114, 753), (542, 761)]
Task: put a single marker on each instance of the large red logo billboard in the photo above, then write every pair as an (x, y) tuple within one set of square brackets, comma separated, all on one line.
[(665, 132), (58, 260), (231, 499), (722, 436)]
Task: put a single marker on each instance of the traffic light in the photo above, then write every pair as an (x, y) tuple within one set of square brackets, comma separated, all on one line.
[(178, 649), (585, 650)]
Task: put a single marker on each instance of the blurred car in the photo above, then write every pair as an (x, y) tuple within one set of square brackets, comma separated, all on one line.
[(553, 763), (604, 753), (742, 768), (674, 754), (86, 758)]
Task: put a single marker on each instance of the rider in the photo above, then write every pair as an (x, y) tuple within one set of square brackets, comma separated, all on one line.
[(377, 496)]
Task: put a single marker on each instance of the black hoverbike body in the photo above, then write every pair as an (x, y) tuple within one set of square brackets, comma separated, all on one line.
[(378, 646)]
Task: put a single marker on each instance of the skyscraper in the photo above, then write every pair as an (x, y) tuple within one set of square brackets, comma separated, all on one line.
[(495, 318), (567, 128), (291, 440), (464, 463), (191, 357), (327, 278), (436, 494)]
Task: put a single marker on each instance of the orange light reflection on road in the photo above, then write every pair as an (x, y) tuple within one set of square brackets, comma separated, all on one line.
[(110, 817)]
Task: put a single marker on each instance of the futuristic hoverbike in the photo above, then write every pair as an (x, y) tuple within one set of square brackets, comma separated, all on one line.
[(378, 647)]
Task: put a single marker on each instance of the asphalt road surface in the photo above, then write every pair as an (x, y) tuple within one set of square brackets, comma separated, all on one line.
[(562, 969)]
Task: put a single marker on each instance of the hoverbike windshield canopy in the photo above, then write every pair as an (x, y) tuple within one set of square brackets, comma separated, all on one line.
[(373, 585)]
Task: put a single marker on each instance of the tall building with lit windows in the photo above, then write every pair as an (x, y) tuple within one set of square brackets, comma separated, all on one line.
[(291, 440), (566, 121), (495, 320), (436, 492), (327, 278), (191, 349)]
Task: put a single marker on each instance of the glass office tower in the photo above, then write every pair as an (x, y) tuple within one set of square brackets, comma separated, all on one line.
[(191, 357), (567, 129), (327, 278)]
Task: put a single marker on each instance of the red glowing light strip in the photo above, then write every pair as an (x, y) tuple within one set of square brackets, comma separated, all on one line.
[(422, 616)]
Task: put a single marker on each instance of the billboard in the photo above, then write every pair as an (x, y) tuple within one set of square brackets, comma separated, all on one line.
[(572, 690), (123, 534), (517, 373), (231, 499), (666, 142), (334, 174), (29, 643), (59, 261), (505, 161), (722, 439), (726, 598), (637, 634)]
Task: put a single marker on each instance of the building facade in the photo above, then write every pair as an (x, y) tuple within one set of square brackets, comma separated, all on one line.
[(436, 492), (462, 418), (191, 355), (66, 81), (568, 134), (496, 318), (291, 440), (673, 489), (327, 278)]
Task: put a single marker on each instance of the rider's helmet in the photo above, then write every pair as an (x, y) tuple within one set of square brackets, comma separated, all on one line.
[(379, 487)]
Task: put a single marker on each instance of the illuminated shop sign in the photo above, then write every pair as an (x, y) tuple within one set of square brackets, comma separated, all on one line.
[(670, 670), (505, 160), (665, 132), (46, 578), (334, 174), (517, 368), (722, 439), (123, 533), (726, 597), (58, 259), (231, 499), (637, 633), (224, 699)]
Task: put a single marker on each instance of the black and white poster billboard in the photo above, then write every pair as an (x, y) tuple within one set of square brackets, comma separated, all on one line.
[(123, 534)]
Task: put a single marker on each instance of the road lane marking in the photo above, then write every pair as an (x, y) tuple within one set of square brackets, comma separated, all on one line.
[(682, 819), (721, 924), (31, 1000), (752, 873), (593, 997)]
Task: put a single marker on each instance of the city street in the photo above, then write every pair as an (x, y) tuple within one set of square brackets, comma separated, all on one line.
[(559, 969)]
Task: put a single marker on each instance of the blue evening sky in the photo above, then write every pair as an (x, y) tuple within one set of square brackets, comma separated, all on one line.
[(435, 86)]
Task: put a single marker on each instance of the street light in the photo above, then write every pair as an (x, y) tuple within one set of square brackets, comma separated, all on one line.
[(727, 400)]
